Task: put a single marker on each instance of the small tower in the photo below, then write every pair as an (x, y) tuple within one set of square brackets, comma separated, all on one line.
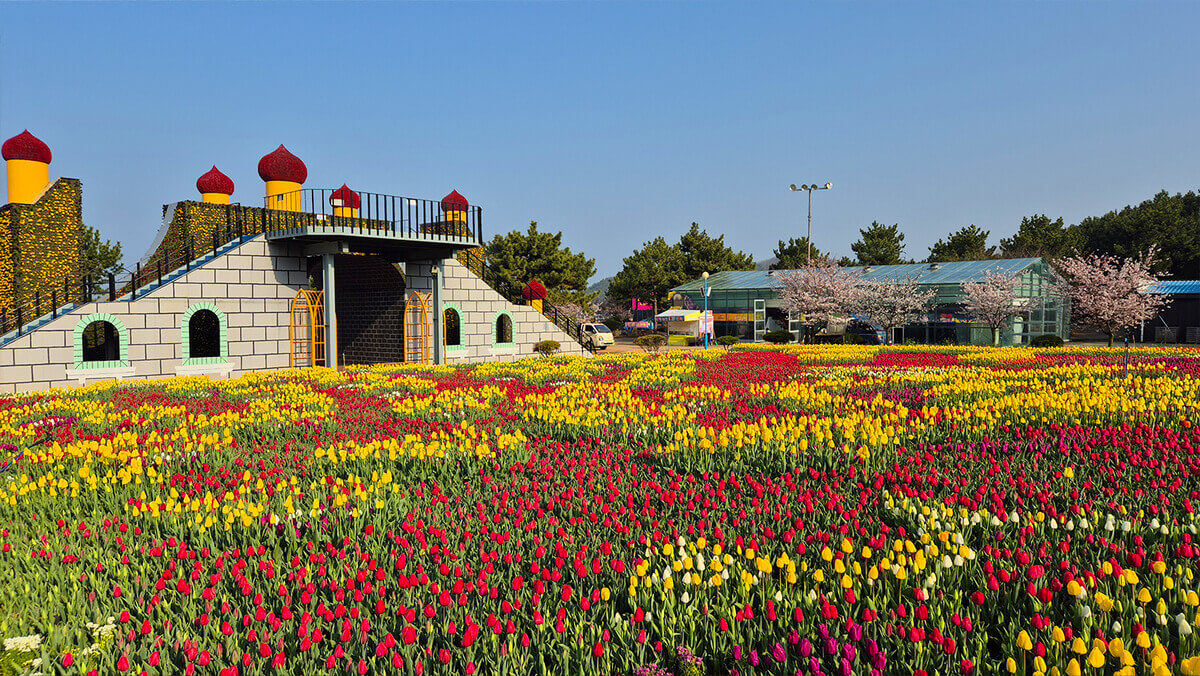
[(28, 161), (454, 206), (345, 202), (215, 187), (283, 173)]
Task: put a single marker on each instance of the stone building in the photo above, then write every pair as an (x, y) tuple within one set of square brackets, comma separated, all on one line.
[(313, 277)]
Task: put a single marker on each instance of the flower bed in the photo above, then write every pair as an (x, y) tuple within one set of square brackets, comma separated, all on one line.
[(765, 512)]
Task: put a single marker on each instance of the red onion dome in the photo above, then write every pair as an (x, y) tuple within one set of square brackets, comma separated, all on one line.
[(344, 197), (281, 165), (454, 202), (215, 182), (534, 291), (26, 146)]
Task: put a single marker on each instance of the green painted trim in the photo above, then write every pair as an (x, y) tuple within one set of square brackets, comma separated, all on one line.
[(461, 327), (122, 343), (512, 326), (187, 338)]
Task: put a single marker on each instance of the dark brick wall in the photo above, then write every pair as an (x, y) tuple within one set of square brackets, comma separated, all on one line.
[(370, 310)]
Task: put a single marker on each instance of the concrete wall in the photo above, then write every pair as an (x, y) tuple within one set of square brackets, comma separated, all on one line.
[(252, 286), (479, 306)]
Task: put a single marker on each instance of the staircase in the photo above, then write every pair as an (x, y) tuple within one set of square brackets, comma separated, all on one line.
[(559, 318), (119, 287)]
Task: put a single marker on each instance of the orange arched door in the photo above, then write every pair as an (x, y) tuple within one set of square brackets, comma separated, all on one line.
[(307, 328)]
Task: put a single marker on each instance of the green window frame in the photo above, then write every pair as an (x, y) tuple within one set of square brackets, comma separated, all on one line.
[(496, 330), (461, 345), (222, 338), (122, 335)]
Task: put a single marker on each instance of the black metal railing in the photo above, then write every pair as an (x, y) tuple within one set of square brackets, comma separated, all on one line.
[(400, 216), (116, 284), (374, 214), (513, 294)]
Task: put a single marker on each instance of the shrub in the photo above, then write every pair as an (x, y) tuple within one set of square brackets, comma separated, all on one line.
[(728, 341), (652, 342), (851, 339), (1046, 340), (778, 336), (547, 348)]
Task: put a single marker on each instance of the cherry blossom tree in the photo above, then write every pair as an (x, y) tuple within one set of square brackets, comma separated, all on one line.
[(1109, 293), (818, 293), (893, 303), (993, 300)]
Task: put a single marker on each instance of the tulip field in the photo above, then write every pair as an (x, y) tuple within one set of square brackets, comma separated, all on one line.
[(800, 510)]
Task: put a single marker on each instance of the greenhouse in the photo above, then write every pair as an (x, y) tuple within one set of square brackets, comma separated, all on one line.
[(746, 303)]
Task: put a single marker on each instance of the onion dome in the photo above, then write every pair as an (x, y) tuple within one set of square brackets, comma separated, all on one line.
[(344, 197), (215, 182), (26, 146), (454, 202), (534, 290), (281, 165)]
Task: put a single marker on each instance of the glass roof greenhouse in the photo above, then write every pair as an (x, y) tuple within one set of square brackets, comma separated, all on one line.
[(745, 303)]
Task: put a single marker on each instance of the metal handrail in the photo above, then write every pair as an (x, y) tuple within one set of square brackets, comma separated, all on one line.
[(374, 213), (416, 219), (512, 294)]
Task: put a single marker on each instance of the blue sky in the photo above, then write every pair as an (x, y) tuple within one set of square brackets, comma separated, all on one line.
[(619, 121)]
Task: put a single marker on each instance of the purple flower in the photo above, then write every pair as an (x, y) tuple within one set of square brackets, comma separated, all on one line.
[(814, 665), (831, 646), (823, 631), (778, 653), (849, 652), (737, 652), (793, 637), (754, 658), (806, 647), (846, 670), (872, 649), (856, 631)]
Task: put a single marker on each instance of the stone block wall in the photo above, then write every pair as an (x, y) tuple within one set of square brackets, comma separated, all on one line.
[(370, 310), (252, 287), (479, 306)]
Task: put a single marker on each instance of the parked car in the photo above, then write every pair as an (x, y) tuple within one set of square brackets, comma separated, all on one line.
[(867, 334), (596, 336)]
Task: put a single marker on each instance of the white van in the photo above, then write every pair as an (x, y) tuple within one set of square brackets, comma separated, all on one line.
[(596, 336)]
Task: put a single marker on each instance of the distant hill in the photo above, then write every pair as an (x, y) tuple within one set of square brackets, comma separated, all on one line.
[(602, 287)]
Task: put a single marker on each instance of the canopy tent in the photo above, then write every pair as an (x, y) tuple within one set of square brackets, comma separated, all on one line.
[(683, 324)]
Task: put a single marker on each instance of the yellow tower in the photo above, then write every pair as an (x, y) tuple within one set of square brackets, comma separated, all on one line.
[(284, 173), (345, 202), (215, 187), (28, 161)]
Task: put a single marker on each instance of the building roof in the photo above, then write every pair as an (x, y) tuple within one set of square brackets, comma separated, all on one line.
[(958, 272), (1176, 286)]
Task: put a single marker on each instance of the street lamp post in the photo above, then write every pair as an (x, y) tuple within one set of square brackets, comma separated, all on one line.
[(705, 323), (809, 189)]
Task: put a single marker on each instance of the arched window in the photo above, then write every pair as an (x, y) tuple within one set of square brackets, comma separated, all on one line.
[(204, 335), (101, 342), (452, 327), (504, 329)]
